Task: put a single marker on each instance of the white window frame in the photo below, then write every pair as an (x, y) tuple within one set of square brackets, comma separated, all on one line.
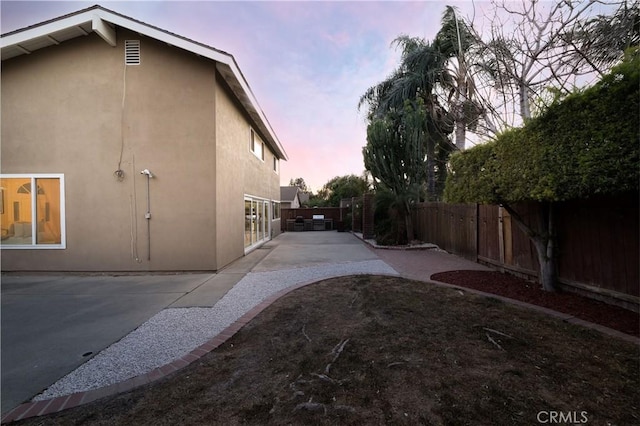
[(276, 165), (34, 206), (266, 231), (254, 142), (275, 204)]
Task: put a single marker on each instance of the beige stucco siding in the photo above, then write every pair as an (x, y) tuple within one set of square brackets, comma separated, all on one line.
[(62, 113), (240, 173), (231, 127)]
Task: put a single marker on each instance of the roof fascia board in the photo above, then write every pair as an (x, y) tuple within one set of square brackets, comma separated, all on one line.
[(162, 35), (107, 33), (45, 30)]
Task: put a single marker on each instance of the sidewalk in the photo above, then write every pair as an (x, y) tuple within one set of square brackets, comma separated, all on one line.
[(421, 264)]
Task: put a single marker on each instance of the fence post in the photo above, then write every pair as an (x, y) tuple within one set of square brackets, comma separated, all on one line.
[(367, 216), (477, 249), (500, 235), (354, 203)]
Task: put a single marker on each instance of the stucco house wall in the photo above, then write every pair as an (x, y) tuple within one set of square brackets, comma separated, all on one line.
[(255, 178), (63, 112)]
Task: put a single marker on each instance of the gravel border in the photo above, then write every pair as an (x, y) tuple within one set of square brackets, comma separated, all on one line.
[(174, 332)]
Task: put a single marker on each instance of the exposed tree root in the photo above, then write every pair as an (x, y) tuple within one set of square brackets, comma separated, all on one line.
[(304, 333), (336, 351)]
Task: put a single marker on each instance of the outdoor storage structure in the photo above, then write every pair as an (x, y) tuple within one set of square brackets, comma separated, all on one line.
[(129, 148)]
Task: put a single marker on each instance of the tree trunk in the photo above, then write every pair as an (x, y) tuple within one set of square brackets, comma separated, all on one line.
[(548, 267), (408, 223), (525, 106), (461, 132), (461, 102), (543, 240), (547, 261), (431, 170)]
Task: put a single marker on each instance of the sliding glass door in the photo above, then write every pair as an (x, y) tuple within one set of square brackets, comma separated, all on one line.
[(256, 222)]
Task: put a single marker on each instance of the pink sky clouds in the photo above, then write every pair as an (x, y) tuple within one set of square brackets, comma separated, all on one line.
[(308, 63)]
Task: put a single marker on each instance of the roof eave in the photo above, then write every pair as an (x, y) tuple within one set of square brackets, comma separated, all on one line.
[(96, 16)]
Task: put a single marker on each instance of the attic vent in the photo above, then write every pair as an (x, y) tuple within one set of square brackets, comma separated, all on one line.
[(132, 52)]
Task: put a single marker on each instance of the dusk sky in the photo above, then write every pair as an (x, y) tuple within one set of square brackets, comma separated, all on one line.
[(307, 62)]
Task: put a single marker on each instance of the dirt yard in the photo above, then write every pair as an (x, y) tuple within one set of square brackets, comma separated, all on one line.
[(385, 350)]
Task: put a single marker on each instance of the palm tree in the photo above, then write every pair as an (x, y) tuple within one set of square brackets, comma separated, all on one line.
[(439, 74), (422, 68), (453, 42)]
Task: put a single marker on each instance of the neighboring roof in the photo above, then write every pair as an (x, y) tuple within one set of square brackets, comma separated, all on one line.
[(288, 193), (102, 21), (303, 196)]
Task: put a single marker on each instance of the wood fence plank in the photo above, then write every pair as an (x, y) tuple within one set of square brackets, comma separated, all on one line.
[(598, 240)]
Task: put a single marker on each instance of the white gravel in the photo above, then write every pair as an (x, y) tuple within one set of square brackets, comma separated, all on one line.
[(173, 333)]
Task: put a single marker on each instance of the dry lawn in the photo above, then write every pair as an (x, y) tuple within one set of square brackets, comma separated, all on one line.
[(385, 350)]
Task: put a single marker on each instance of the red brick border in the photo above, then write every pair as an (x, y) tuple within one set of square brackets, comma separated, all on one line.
[(54, 405), (57, 404)]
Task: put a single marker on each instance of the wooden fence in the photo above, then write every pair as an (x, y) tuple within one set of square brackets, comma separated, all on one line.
[(597, 246), (355, 214), (452, 227), (338, 214)]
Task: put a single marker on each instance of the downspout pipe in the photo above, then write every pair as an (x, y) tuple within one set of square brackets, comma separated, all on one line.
[(147, 215)]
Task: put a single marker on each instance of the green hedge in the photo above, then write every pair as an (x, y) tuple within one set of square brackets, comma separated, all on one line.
[(584, 145)]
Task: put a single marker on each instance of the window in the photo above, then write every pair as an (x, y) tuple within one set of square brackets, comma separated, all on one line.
[(35, 218), (275, 207), (275, 164), (256, 145)]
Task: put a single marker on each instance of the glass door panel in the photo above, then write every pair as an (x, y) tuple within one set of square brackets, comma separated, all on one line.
[(254, 221), (247, 223), (48, 211), (260, 218), (16, 211), (265, 215)]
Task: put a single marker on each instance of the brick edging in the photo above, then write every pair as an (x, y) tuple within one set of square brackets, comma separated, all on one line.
[(560, 315), (60, 403), (57, 404)]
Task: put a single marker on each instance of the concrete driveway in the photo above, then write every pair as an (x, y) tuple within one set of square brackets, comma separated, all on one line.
[(53, 324), (302, 249)]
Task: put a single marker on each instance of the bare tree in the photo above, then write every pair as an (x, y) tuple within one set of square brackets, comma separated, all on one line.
[(602, 40), (300, 183), (534, 45)]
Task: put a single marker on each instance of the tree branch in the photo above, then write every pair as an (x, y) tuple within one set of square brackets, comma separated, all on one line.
[(532, 233)]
